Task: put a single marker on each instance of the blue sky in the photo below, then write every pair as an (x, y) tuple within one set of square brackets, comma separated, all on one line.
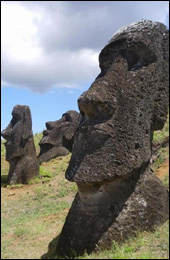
[(44, 107), (50, 50)]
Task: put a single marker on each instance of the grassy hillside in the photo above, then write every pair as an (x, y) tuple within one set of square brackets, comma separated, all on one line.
[(33, 215)]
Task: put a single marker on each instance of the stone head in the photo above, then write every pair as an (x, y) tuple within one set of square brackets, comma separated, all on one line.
[(123, 106), (59, 136), (17, 132)]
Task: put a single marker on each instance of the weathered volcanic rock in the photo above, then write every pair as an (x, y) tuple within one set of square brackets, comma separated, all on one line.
[(58, 139), (20, 149), (118, 194)]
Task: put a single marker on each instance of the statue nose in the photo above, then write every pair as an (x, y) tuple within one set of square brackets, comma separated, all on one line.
[(89, 104), (50, 125), (6, 133), (95, 107)]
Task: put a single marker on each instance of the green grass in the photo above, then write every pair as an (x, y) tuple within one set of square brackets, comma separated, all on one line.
[(28, 209), (144, 246), (160, 135), (2, 148), (37, 138), (31, 219), (165, 180), (26, 219), (163, 154)]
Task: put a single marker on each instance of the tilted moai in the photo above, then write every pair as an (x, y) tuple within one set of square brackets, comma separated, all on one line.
[(58, 139), (20, 149), (118, 193)]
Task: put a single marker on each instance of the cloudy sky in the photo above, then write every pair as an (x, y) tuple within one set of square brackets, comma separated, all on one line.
[(50, 50)]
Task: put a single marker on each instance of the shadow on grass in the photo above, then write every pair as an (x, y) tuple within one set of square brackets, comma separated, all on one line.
[(51, 254), (4, 180)]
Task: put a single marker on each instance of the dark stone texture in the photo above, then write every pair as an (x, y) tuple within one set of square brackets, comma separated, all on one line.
[(118, 194), (111, 211), (20, 149), (58, 139)]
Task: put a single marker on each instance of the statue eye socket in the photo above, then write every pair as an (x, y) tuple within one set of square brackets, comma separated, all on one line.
[(137, 55), (68, 117), (15, 119)]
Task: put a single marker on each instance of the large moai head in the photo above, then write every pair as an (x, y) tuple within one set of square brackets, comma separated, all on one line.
[(118, 194), (124, 105), (20, 149), (58, 139)]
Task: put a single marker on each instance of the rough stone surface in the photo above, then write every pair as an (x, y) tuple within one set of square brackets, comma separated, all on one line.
[(58, 139), (20, 149), (118, 194), (113, 210)]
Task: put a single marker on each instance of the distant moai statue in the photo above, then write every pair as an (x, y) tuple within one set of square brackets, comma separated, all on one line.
[(118, 193), (58, 139), (20, 148)]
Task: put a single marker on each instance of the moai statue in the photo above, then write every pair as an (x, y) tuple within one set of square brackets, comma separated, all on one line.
[(118, 193), (58, 139), (20, 149)]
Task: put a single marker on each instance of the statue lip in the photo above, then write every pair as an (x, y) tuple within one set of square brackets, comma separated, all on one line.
[(95, 126), (45, 133), (45, 147), (47, 144)]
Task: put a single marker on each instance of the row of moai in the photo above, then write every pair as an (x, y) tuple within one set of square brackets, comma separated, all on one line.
[(118, 193), (57, 140)]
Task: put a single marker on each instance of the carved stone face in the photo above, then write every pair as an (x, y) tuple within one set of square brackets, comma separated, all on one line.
[(117, 193), (17, 132), (59, 136), (124, 105)]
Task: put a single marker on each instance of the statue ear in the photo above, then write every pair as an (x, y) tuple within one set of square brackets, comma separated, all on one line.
[(27, 124)]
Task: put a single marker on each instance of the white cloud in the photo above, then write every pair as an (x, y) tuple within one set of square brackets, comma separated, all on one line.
[(49, 44), (60, 69), (19, 32)]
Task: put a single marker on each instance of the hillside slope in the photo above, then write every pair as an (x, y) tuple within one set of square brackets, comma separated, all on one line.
[(33, 215)]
